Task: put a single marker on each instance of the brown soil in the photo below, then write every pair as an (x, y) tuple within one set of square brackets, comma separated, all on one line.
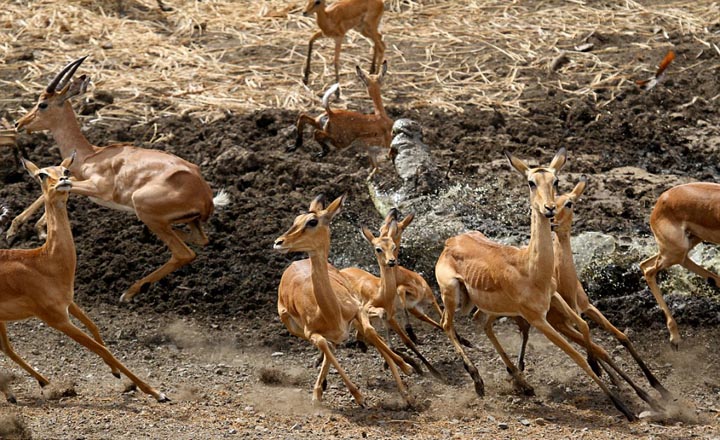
[(209, 336)]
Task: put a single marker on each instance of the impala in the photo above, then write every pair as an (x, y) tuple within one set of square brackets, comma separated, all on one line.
[(317, 303), (381, 293), (683, 216), (335, 21), (502, 280), (344, 128), (39, 282), (161, 189)]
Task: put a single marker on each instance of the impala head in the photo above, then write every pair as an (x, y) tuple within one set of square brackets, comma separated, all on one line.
[(50, 106), (55, 181), (383, 245), (542, 182), (393, 217), (372, 82), (311, 231), (564, 215), (313, 6)]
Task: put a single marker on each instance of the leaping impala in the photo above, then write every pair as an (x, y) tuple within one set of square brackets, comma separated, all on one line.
[(39, 282), (160, 188), (335, 21), (317, 303), (502, 280), (683, 216)]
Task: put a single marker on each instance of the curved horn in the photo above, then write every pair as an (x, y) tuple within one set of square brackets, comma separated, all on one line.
[(69, 70)]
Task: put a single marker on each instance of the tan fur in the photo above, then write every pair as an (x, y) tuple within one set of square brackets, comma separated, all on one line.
[(40, 282), (317, 303), (336, 20), (160, 188), (683, 216)]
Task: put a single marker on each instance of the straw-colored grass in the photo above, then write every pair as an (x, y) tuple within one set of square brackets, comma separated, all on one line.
[(210, 57)]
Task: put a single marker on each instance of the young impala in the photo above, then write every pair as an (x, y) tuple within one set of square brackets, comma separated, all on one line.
[(317, 303), (381, 293), (344, 128), (334, 22), (39, 282), (502, 280), (683, 216), (161, 189)]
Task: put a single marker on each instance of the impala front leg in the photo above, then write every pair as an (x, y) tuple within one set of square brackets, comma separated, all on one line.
[(22, 217), (306, 73)]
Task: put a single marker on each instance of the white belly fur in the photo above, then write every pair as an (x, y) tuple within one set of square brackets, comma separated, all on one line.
[(112, 205)]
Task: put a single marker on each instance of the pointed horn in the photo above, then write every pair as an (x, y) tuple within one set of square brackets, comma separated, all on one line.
[(69, 70)]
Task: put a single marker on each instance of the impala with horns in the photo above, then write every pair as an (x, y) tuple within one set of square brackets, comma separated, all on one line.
[(336, 20), (502, 280), (40, 282), (345, 128), (683, 217), (160, 188), (317, 303)]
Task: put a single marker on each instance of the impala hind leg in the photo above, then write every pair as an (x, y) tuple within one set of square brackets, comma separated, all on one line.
[(196, 235), (8, 349), (650, 269), (302, 121), (524, 328), (181, 255), (543, 326), (64, 325), (306, 71), (450, 292), (77, 312), (519, 382), (593, 313)]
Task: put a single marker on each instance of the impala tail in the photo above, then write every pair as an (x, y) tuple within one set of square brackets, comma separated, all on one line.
[(328, 94), (221, 199)]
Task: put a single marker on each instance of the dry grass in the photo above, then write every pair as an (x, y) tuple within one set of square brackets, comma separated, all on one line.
[(210, 57)]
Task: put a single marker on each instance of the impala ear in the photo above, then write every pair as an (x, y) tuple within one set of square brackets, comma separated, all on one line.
[(317, 204), (361, 75), (405, 221), (579, 188), (29, 166), (69, 160), (367, 234), (335, 207), (383, 71), (559, 160), (517, 164), (76, 87)]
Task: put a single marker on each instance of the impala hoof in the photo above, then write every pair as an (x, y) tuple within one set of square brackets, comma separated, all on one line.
[(116, 374), (162, 398)]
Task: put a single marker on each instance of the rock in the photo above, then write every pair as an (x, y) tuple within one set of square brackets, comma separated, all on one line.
[(413, 160), (503, 425)]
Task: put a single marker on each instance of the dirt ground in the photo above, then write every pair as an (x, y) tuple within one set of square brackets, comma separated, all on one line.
[(209, 336)]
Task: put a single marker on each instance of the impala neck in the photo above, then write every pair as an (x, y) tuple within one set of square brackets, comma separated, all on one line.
[(377, 101), (388, 287), (69, 137), (564, 263), (59, 243), (324, 294), (540, 249)]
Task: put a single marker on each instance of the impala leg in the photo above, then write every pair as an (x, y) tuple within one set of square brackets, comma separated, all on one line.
[(524, 328), (336, 63), (449, 294), (64, 325), (558, 304), (41, 227), (601, 354), (90, 325), (518, 380), (23, 216), (543, 326), (306, 72), (321, 382), (8, 349), (303, 120), (595, 314), (391, 358), (321, 343), (692, 266), (409, 343), (181, 255), (196, 235), (650, 269), (378, 53)]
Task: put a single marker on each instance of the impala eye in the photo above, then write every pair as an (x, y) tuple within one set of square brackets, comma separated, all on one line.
[(555, 184), (312, 223), (43, 176), (378, 250), (532, 184), (66, 173), (43, 105), (569, 204)]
